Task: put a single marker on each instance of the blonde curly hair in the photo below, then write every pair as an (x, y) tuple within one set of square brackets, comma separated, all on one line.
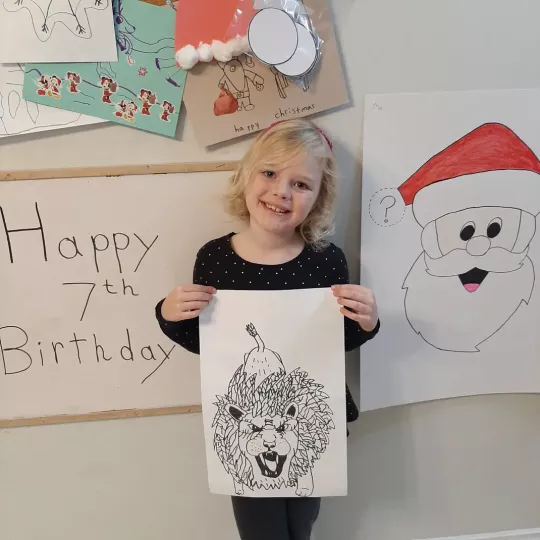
[(277, 145)]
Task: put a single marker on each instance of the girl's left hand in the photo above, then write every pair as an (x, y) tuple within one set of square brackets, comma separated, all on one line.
[(358, 304)]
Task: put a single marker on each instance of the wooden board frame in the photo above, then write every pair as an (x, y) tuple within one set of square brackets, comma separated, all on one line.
[(109, 171), (95, 416), (119, 170)]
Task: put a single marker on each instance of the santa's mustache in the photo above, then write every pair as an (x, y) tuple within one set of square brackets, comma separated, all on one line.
[(458, 261)]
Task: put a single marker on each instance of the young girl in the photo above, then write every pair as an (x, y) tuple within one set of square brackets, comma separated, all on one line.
[(284, 189)]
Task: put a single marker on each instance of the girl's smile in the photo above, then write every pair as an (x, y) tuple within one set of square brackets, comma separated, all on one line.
[(276, 209)]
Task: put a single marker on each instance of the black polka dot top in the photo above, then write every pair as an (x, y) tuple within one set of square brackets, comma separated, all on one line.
[(218, 265)]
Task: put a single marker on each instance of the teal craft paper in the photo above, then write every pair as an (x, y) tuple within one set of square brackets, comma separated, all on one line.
[(121, 91)]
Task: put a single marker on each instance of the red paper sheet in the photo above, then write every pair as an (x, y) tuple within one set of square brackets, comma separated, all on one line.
[(202, 21)]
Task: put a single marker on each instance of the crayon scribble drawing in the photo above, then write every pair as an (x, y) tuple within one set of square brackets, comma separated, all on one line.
[(19, 117), (272, 425), (143, 89), (57, 31)]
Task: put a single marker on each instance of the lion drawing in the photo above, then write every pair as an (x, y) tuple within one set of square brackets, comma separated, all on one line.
[(271, 426)]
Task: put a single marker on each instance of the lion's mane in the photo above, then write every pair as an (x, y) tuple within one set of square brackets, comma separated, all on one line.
[(271, 398)]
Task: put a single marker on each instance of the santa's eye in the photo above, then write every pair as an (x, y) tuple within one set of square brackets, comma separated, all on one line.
[(281, 428), (255, 428), (494, 228), (467, 231)]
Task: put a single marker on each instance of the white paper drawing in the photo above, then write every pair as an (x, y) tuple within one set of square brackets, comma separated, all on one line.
[(271, 422), (453, 213), (278, 415), (473, 202), (57, 31), (21, 117)]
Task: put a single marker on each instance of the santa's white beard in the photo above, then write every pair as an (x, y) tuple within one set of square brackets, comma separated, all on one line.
[(450, 318)]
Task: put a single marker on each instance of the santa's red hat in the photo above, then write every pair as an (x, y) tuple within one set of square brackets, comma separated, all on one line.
[(208, 29), (490, 166)]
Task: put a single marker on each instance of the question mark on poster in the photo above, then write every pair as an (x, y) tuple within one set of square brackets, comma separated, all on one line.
[(386, 207), (390, 201)]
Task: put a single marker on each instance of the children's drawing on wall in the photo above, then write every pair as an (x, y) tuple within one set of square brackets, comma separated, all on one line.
[(136, 91), (457, 209), (273, 404), (272, 425), (46, 14), (281, 82), (235, 85), (19, 117), (43, 28), (158, 51), (237, 82), (477, 218), (235, 97)]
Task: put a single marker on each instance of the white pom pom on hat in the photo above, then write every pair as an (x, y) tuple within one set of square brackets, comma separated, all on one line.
[(187, 57), (205, 52), (222, 51)]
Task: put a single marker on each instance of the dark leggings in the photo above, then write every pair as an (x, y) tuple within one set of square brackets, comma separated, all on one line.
[(275, 519)]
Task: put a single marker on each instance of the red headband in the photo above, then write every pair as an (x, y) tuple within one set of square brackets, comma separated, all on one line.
[(317, 128)]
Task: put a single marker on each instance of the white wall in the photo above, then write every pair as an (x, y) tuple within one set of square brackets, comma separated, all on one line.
[(435, 469)]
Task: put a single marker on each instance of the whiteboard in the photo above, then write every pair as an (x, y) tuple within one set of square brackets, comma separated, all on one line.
[(83, 264)]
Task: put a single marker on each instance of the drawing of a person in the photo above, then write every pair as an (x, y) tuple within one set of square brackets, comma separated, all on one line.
[(236, 80), (54, 87), (148, 99), (477, 203), (74, 80), (168, 109), (120, 107), (109, 88), (43, 85), (131, 109)]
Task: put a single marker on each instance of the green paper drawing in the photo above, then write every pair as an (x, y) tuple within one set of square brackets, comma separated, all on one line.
[(143, 89)]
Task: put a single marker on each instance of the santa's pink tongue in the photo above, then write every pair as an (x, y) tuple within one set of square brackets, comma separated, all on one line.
[(471, 287)]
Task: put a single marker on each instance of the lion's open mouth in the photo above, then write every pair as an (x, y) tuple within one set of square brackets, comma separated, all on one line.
[(270, 463)]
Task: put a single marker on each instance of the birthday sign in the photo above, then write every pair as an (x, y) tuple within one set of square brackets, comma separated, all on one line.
[(83, 264)]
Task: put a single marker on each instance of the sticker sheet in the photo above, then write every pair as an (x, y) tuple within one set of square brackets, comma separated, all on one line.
[(143, 89)]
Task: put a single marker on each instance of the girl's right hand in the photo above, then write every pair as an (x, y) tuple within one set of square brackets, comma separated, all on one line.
[(186, 302)]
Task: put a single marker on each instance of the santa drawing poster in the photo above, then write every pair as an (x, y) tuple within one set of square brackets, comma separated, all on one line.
[(450, 199)]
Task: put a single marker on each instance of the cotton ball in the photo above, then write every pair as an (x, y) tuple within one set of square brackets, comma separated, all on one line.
[(187, 57), (222, 52), (245, 44), (237, 46), (205, 52)]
